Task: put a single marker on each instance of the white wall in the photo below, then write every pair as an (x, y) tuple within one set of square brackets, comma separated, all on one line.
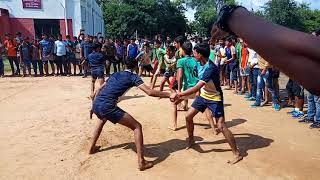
[(51, 9), (54, 9)]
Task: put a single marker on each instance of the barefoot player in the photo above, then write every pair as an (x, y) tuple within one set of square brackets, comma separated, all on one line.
[(210, 97), (105, 107)]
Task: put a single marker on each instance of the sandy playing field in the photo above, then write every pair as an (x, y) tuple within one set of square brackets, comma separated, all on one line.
[(45, 132)]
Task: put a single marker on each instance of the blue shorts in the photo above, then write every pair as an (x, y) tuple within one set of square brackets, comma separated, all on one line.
[(97, 73), (111, 112), (202, 104), (27, 63), (168, 74)]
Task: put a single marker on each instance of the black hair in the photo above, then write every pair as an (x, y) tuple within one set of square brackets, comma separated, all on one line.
[(203, 49), (179, 39), (147, 45), (172, 49), (158, 41), (187, 48), (68, 36), (130, 63), (96, 46), (317, 32)]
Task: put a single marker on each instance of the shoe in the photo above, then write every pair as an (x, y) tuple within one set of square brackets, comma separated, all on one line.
[(247, 96), (84, 76), (255, 105), (292, 112), (251, 99), (68, 75), (298, 115), (315, 125), (306, 120), (277, 107)]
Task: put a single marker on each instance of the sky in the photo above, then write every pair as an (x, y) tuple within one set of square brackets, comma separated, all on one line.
[(256, 4)]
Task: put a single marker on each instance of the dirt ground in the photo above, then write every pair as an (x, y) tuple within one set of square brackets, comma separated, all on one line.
[(45, 132)]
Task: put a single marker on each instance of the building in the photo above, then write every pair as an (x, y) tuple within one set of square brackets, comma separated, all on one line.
[(34, 17)]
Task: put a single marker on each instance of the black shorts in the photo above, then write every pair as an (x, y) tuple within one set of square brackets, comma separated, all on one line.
[(147, 67), (294, 89), (111, 112), (97, 73), (168, 74)]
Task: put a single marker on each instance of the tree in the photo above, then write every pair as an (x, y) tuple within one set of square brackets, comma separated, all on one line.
[(206, 13), (148, 17)]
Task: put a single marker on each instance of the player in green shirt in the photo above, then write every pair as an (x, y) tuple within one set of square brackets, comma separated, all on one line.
[(187, 76), (159, 55)]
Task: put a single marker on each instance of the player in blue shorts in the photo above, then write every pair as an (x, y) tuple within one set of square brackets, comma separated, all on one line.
[(97, 62), (210, 97), (105, 107)]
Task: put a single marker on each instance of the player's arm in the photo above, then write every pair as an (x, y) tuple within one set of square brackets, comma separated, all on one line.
[(97, 91), (153, 93), (179, 77), (192, 90)]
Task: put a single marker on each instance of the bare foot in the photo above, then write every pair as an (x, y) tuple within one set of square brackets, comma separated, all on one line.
[(94, 149), (173, 128), (264, 103), (235, 160), (145, 165), (191, 143), (216, 131)]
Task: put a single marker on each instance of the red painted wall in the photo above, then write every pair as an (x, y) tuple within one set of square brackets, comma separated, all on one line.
[(4, 23), (23, 25), (63, 28)]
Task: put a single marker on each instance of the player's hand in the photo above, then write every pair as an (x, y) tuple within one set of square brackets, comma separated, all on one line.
[(173, 97)]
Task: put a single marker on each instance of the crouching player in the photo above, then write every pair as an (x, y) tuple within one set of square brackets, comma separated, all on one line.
[(105, 107)]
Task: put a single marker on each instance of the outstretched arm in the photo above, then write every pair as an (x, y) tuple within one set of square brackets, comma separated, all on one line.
[(192, 90), (295, 53), (153, 93)]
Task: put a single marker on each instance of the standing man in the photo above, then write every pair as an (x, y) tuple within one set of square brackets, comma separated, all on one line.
[(85, 50), (46, 49), (60, 50), (25, 51), (11, 47), (71, 56)]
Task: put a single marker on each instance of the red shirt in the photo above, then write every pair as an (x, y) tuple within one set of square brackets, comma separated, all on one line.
[(244, 56), (11, 47)]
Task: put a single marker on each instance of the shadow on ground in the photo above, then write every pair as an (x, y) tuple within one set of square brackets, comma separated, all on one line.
[(161, 151)]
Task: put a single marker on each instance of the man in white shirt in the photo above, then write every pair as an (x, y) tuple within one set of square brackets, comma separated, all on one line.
[(60, 50), (254, 72)]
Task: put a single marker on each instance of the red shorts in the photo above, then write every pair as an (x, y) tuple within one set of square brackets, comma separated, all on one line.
[(155, 66)]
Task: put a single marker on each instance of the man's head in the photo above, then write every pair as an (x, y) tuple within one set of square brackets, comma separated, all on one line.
[(187, 49), (59, 37), (96, 47), (222, 42), (130, 64), (87, 38), (147, 47), (132, 41), (18, 34), (170, 51), (44, 36), (228, 42), (179, 41), (201, 51), (68, 37), (7, 36), (81, 36), (101, 39), (158, 44)]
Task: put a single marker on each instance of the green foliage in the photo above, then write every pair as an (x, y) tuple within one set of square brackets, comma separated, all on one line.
[(291, 14), (148, 17), (206, 14)]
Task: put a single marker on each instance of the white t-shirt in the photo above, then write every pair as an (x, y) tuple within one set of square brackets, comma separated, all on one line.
[(253, 58), (222, 51), (60, 48)]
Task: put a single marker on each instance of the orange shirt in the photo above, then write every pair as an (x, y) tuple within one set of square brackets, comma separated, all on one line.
[(244, 53), (11, 47)]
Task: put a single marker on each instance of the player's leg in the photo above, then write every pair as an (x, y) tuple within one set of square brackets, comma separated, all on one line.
[(190, 126), (163, 81), (136, 127), (93, 148), (212, 121)]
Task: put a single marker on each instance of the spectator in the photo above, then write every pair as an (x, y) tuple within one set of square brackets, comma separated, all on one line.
[(46, 54), (36, 61), (11, 48), (2, 54), (71, 56), (60, 50), (85, 50), (25, 51)]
